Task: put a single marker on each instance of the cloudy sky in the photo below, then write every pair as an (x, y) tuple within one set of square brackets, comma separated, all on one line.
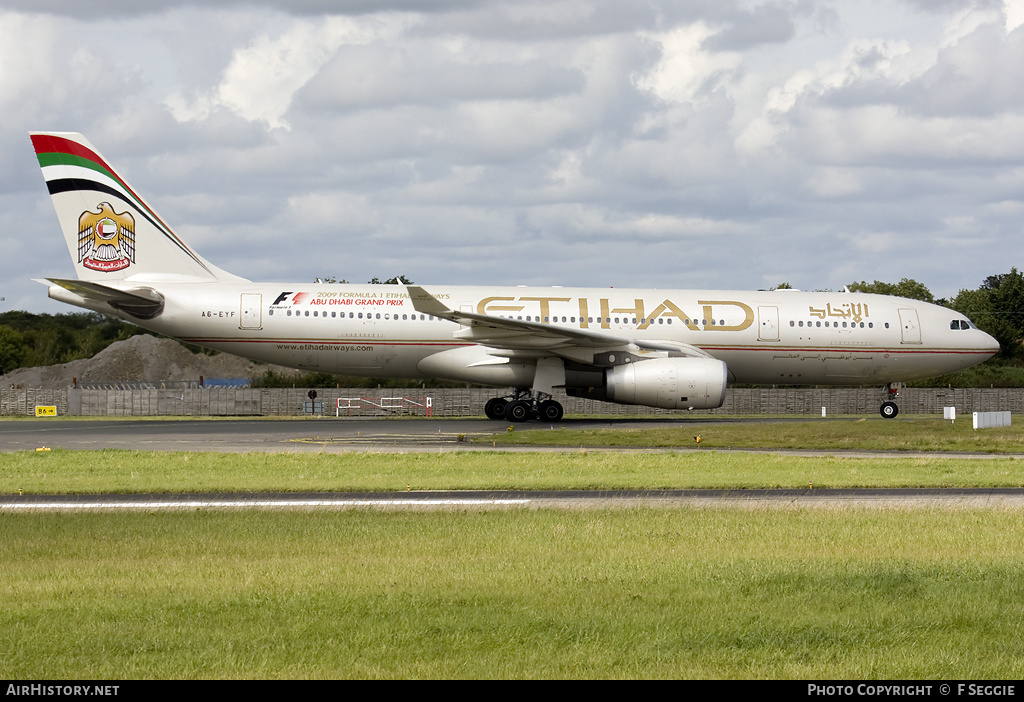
[(726, 144)]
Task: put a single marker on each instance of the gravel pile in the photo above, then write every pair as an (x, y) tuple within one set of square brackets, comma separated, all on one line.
[(142, 358)]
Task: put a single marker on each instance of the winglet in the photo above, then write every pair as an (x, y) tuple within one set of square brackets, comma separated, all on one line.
[(425, 303)]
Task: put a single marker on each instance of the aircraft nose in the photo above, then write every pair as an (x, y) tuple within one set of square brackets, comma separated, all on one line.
[(988, 343)]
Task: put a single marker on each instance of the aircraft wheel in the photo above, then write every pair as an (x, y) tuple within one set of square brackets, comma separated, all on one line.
[(518, 411), (495, 408), (551, 411), (889, 410)]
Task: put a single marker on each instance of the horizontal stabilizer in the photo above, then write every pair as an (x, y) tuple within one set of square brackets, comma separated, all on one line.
[(142, 303)]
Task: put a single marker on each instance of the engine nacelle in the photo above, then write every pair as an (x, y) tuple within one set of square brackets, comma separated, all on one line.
[(669, 383)]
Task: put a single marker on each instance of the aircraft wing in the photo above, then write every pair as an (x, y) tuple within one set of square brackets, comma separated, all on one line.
[(536, 338)]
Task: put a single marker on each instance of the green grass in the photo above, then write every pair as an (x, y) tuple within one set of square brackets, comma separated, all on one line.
[(644, 593), (918, 434), (62, 471), (522, 594)]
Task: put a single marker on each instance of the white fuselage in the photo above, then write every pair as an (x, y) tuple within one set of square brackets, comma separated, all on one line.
[(777, 337)]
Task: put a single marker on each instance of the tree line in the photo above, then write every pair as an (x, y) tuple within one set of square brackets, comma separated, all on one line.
[(996, 306), (28, 340)]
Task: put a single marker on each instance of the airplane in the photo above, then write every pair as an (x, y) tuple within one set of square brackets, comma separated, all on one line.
[(672, 349)]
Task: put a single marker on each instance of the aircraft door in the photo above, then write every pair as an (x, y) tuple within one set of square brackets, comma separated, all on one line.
[(910, 326), (768, 323), (251, 314)]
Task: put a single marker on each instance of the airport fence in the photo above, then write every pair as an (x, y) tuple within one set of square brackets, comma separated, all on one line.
[(461, 402)]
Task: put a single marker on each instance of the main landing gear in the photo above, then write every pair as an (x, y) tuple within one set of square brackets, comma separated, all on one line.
[(522, 406), (890, 409)]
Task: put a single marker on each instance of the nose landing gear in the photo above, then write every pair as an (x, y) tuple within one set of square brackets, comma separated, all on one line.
[(889, 408)]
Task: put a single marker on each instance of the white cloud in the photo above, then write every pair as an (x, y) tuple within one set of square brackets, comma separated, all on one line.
[(687, 71), (1014, 12), (534, 142), (263, 76)]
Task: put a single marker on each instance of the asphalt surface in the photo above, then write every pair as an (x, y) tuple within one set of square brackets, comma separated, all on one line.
[(321, 435), (241, 435), (1011, 498)]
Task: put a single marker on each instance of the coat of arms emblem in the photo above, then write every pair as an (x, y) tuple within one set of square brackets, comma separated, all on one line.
[(106, 240)]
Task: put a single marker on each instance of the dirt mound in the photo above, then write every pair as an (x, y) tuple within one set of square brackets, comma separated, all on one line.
[(142, 358)]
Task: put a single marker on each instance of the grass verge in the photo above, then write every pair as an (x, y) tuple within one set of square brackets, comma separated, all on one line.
[(550, 594), (925, 434), (62, 471)]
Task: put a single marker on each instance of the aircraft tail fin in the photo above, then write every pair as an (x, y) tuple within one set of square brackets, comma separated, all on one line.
[(111, 232)]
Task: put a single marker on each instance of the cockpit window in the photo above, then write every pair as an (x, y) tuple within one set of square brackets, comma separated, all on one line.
[(961, 324)]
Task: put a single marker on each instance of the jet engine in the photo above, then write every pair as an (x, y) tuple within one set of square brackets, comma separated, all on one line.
[(669, 383)]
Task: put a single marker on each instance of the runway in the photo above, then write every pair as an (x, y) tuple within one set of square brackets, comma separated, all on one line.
[(927, 498), (320, 435), (246, 435)]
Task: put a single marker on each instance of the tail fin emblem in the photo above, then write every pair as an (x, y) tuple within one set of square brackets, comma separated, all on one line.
[(106, 240)]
